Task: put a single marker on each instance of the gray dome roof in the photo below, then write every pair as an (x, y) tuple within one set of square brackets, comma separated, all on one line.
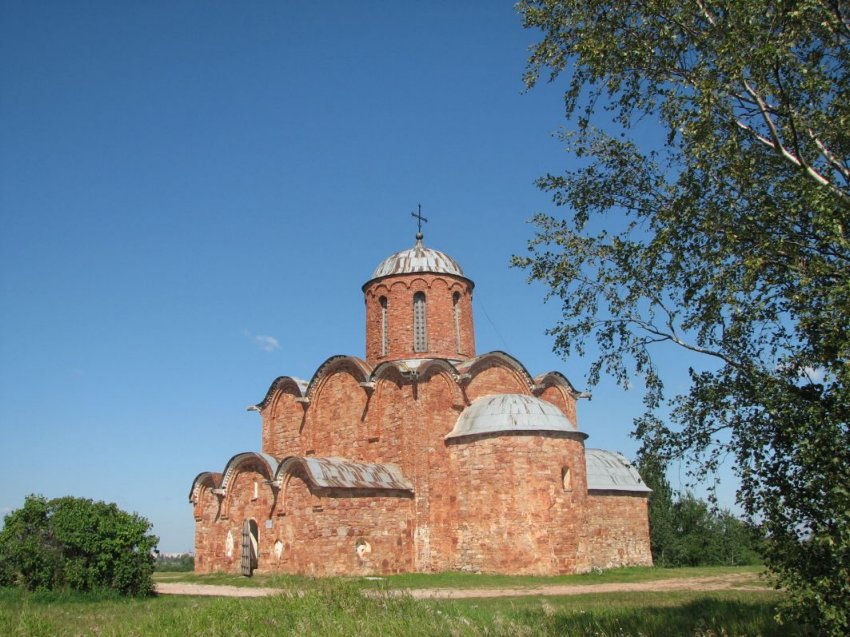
[(610, 471), (510, 412), (418, 259)]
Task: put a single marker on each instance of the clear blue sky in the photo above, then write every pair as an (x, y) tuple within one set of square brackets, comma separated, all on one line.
[(192, 194)]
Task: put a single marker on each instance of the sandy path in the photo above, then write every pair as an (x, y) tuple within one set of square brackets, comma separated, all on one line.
[(716, 583)]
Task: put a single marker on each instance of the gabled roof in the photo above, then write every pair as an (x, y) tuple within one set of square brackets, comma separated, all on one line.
[(610, 471)]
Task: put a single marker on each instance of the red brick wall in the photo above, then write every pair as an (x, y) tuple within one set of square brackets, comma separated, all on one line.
[(238, 504), (335, 417), (442, 335), (320, 530), (513, 515), (566, 403), (282, 423), (492, 503), (495, 377), (618, 530)]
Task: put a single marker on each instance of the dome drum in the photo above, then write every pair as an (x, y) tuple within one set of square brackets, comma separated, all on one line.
[(418, 305)]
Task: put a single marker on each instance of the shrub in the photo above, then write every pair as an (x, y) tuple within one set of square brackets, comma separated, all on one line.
[(77, 544)]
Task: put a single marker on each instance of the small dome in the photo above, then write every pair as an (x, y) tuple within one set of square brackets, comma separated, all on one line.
[(610, 471), (418, 259), (510, 412)]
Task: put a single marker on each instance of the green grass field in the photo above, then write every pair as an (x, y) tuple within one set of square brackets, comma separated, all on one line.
[(331, 607), (465, 580)]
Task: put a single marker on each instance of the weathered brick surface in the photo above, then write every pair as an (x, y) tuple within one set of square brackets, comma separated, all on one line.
[(617, 530), (512, 502), (447, 337)]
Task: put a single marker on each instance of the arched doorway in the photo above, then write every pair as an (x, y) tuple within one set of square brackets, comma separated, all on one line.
[(250, 547)]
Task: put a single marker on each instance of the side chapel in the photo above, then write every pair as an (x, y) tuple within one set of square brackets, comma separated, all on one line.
[(424, 457)]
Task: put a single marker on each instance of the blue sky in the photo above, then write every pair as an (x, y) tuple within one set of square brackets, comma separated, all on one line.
[(192, 194)]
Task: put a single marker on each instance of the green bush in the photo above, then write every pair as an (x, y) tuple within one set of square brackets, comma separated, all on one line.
[(76, 544)]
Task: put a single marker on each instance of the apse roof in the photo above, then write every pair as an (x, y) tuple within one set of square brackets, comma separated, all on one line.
[(610, 471), (510, 412), (418, 259)]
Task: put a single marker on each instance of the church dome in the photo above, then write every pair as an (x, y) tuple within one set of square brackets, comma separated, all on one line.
[(501, 413), (418, 259)]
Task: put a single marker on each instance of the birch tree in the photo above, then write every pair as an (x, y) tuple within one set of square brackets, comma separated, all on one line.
[(729, 238)]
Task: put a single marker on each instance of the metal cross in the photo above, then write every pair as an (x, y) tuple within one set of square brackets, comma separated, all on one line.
[(420, 219)]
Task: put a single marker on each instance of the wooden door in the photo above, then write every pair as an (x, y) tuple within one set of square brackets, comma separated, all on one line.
[(248, 560)]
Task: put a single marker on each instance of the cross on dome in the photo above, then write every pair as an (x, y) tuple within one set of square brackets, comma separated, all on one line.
[(419, 219)]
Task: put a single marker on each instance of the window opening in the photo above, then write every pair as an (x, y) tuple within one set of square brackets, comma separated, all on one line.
[(384, 327), (567, 479), (420, 334), (456, 311)]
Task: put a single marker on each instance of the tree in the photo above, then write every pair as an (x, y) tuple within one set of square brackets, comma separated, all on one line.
[(77, 544), (661, 520), (688, 531), (731, 240)]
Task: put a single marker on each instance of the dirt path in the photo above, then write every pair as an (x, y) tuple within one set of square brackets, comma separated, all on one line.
[(745, 581)]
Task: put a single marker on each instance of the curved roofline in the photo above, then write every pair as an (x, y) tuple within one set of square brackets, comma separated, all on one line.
[(380, 370), (470, 365), (324, 369), (559, 433), (417, 260), (211, 479), (444, 363), (612, 471), (554, 378), (510, 413), (279, 384), (233, 464), (418, 272)]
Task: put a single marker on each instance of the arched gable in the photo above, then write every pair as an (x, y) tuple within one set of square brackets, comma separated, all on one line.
[(267, 464), (338, 395), (383, 418), (555, 388), (263, 463), (206, 479), (202, 487), (282, 384), (358, 368), (437, 367), (495, 373), (556, 379)]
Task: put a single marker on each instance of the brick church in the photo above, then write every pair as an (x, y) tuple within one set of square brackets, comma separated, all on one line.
[(424, 456)]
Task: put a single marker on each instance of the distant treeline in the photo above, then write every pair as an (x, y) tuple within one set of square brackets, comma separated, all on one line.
[(174, 563), (687, 531)]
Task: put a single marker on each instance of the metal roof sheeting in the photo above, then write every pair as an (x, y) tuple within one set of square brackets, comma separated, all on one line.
[(510, 412), (418, 259), (341, 473), (610, 471)]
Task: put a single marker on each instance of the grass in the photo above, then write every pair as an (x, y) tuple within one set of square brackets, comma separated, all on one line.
[(330, 607), (465, 580)]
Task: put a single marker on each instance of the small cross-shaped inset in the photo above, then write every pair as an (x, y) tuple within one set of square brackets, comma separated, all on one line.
[(419, 219)]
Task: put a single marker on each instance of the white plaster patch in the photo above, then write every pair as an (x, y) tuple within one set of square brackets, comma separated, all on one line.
[(228, 544)]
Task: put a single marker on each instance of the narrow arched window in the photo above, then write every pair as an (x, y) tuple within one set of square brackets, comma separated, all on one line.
[(384, 327), (456, 312), (566, 479), (420, 332)]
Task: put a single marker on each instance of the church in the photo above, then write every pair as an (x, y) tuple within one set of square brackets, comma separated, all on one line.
[(423, 456)]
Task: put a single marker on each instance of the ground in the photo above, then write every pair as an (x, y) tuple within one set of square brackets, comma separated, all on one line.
[(739, 581)]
